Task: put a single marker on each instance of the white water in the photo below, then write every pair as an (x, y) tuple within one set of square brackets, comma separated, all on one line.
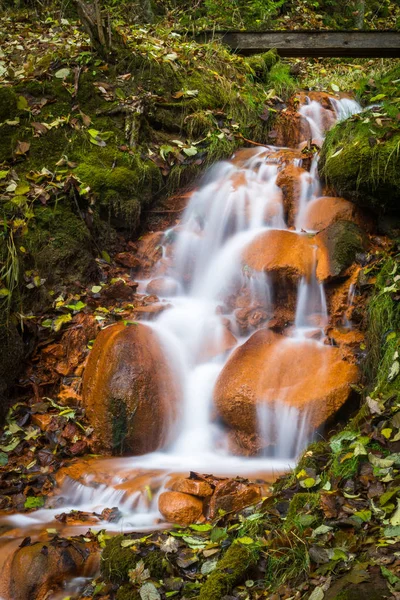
[(235, 204)]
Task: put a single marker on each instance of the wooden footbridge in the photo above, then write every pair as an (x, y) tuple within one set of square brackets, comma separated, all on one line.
[(357, 44)]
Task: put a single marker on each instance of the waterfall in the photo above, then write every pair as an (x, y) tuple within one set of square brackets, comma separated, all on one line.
[(238, 202)]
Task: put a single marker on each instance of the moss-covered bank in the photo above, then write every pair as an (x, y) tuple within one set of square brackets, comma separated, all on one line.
[(360, 157)]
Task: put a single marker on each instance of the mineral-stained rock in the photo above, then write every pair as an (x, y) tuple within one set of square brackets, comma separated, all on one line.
[(177, 507), (232, 496), (36, 568), (130, 391), (306, 376), (190, 486)]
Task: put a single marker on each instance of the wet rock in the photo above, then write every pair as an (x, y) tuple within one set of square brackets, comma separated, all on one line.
[(324, 211), (162, 286), (285, 253), (120, 290), (285, 374), (130, 391), (290, 181), (127, 259), (180, 508), (341, 242), (40, 568), (190, 486)]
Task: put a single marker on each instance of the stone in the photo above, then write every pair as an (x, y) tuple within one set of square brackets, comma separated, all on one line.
[(339, 243), (163, 286), (190, 486), (290, 181), (127, 259), (180, 508), (270, 367), (232, 496), (324, 211), (39, 568), (130, 390), (286, 253)]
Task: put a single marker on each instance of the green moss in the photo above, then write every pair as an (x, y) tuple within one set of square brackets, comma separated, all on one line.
[(127, 592), (314, 457), (123, 184), (383, 333), (301, 504), (231, 570), (281, 81), (59, 245), (8, 104), (116, 562), (343, 241), (261, 64), (361, 159)]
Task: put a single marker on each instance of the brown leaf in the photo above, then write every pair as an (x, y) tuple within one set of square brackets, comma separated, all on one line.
[(22, 148), (85, 119), (328, 505), (39, 128)]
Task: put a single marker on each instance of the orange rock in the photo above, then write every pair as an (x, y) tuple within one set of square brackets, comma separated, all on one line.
[(322, 212), (129, 390), (180, 508), (290, 181), (162, 286), (289, 254), (190, 486), (41, 421), (269, 367), (127, 259), (232, 496), (39, 568), (217, 344)]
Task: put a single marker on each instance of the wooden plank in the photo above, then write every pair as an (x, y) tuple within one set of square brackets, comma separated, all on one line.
[(371, 44)]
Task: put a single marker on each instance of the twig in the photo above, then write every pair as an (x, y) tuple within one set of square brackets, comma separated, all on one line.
[(239, 135)]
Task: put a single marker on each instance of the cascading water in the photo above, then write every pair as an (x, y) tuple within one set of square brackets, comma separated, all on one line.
[(237, 203)]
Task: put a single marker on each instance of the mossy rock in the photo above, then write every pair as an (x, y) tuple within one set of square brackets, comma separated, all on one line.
[(343, 240), (123, 185), (116, 562), (230, 571), (261, 64), (363, 166), (60, 245)]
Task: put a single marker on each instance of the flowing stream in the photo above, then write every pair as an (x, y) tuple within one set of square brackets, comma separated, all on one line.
[(236, 203)]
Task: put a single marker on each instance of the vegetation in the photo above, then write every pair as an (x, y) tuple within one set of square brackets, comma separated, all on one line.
[(360, 155)]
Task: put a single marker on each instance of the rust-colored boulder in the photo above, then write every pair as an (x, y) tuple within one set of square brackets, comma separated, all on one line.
[(322, 212), (290, 181), (268, 368), (39, 568), (163, 286), (286, 253), (232, 496), (180, 508), (190, 486), (130, 391)]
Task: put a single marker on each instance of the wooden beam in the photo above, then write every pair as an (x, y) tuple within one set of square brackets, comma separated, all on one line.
[(358, 44)]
